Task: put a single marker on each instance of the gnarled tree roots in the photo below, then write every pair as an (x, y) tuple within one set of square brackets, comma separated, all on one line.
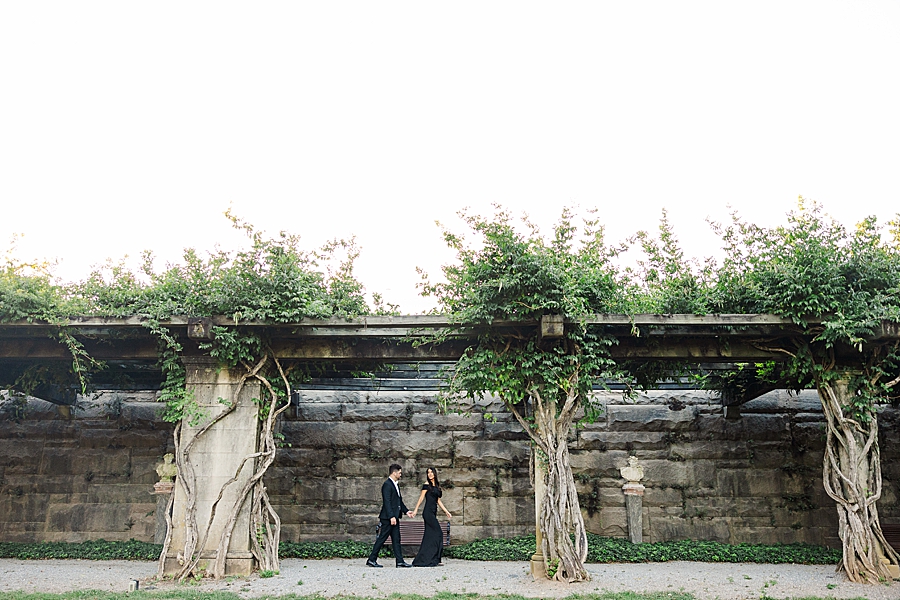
[(852, 477), (265, 525)]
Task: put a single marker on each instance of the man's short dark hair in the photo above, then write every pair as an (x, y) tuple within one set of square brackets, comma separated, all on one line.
[(393, 468)]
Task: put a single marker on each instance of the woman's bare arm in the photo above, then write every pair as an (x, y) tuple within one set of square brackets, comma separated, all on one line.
[(416, 509)]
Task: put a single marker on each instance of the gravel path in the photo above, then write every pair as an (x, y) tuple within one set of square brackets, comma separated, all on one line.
[(343, 576)]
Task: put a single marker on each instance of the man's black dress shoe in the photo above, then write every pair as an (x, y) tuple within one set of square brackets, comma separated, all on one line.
[(370, 563), (403, 564)]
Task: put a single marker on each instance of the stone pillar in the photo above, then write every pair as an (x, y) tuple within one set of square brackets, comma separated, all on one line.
[(538, 568), (163, 490), (634, 499), (216, 458)]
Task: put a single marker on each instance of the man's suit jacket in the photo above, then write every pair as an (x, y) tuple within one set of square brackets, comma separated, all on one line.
[(391, 503)]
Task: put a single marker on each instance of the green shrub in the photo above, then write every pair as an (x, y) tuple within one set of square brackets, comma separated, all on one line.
[(518, 548), (95, 550), (600, 550), (604, 549), (611, 550), (346, 549)]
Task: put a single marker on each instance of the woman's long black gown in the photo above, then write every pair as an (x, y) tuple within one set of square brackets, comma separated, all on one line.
[(433, 540)]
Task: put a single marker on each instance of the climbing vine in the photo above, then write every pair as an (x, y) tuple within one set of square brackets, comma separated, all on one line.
[(839, 287), (273, 280), (544, 381)]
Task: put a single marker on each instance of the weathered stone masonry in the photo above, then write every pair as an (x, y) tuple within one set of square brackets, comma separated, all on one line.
[(756, 479)]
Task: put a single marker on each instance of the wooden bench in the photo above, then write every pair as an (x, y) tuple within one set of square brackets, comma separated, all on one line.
[(412, 531), (892, 535)]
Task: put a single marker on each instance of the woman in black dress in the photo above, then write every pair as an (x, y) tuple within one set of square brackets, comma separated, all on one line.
[(433, 540)]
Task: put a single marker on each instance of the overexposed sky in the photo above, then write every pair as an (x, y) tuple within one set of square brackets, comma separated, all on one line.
[(127, 126)]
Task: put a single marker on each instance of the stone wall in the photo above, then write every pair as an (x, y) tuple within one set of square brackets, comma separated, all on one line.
[(80, 473), (755, 479)]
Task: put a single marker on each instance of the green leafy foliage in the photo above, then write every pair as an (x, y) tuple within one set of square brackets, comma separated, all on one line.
[(93, 550), (322, 550), (812, 268), (600, 549), (517, 276), (613, 550), (616, 550), (508, 275), (273, 280), (665, 281), (27, 290), (838, 285)]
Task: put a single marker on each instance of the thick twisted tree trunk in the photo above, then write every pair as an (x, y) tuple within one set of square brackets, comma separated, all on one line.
[(264, 523), (852, 477), (560, 513)]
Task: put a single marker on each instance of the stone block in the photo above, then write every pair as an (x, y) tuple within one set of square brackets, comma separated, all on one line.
[(20, 508), (92, 463), (324, 492), (608, 464), (491, 453), (425, 445), (808, 417), (782, 401), (742, 483), (649, 418), (709, 506), (21, 456), (453, 499), (584, 462), (335, 435), (118, 493), (146, 413), (356, 466), (379, 411), (710, 450), (420, 397), (317, 411), (96, 518), (666, 528), (332, 396), (762, 534), (655, 496), (666, 473), (619, 440), (449, 422), (304, 515), (599, 495), (465, 533), (497, 511), (504, 431), (754, 427), (610, 521), (468, 436), (809, 437)]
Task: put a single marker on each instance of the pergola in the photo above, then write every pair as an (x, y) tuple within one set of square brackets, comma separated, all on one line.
[(130, 351)]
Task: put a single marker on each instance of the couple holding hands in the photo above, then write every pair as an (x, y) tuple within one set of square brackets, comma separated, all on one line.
[(393, 509)]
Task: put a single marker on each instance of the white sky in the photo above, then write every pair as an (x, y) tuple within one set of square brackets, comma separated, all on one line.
[(127, 126)]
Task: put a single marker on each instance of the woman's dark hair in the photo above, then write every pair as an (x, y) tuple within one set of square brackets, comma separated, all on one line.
[(437, 483)]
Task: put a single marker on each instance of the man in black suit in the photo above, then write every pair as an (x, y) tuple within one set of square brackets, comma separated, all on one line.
[(392, 510)]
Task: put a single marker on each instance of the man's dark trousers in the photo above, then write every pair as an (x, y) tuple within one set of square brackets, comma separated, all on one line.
[(387, 530)]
